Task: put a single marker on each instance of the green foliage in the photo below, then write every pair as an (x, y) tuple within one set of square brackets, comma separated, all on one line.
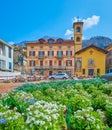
[(58, 105)]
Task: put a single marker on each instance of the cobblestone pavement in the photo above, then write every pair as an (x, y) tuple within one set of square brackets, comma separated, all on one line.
[(6, 87)]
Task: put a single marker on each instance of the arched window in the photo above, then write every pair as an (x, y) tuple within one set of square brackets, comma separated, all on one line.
[(59, 40), (50, 41), (78, 39), (41, 40), (78, 29)]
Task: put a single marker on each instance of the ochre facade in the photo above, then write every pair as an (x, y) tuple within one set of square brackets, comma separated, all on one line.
[(50, 58), (91, 61)]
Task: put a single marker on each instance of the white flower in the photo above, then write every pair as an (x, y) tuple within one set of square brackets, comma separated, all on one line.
[(98, 127)]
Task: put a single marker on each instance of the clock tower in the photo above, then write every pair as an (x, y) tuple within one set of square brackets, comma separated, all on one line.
[(78, 35)]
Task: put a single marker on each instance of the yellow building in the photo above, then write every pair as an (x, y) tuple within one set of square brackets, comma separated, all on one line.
[(90, 61)]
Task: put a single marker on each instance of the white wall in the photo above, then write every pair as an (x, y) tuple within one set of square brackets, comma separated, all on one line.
[(6, 57)]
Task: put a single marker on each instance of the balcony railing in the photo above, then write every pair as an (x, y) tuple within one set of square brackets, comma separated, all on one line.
[(59, 56), (50, 67), (41, 56)]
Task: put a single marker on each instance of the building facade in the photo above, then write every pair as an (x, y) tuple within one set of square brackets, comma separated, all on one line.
[(6, 57), (90, 61), (109, 59), (51, 56)]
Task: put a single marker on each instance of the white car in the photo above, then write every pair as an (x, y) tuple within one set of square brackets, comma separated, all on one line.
[(59, 76)]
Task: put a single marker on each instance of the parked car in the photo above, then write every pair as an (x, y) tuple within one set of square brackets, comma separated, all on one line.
[(20, 78), (59, 76), (74, 77), (107, 76)]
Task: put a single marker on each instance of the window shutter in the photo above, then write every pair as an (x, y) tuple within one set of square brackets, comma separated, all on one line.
[(29, 53), (66, 53), (48, 53), (66, 63), (71, 53), (30, 62), (34, 63), (57, 53), (71, 62)]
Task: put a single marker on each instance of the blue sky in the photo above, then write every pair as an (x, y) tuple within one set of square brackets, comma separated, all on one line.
[(23, 20)]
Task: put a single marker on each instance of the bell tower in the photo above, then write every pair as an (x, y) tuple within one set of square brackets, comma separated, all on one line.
[(78, 35)]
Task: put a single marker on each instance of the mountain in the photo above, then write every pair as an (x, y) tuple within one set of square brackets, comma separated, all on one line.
[(99, 41)]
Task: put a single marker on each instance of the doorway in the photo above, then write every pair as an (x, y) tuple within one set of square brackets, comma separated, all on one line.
[(50, 72), (91, 72)]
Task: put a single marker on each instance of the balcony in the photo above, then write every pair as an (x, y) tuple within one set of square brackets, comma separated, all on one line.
[(41, 56), (59, 56), (50, 67)]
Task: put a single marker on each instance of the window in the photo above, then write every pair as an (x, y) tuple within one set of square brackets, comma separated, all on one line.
[(78, 29), (41, 63), (60, 53), (41, 53), (98, 71), (69, 63), (90, 62), (50, 46), (2, 49), (50, 63), (59, 40), (83, 71), (32, 53), (59, 62), (69, 46), (68, 53), (9, 52), (110, 52), (50, 41), (10, 65), (50, 53), (41, 40), (41, 47), (78, 39), (32, 46), (2, 64), (20, 60), (60, 47), (32, 63), (110, 61)]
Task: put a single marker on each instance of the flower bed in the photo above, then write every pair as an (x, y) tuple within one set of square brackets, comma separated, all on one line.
[(58, 105)]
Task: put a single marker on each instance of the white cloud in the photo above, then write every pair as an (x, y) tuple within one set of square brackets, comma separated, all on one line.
[(68, 32), (89, 22), (11, 43)]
